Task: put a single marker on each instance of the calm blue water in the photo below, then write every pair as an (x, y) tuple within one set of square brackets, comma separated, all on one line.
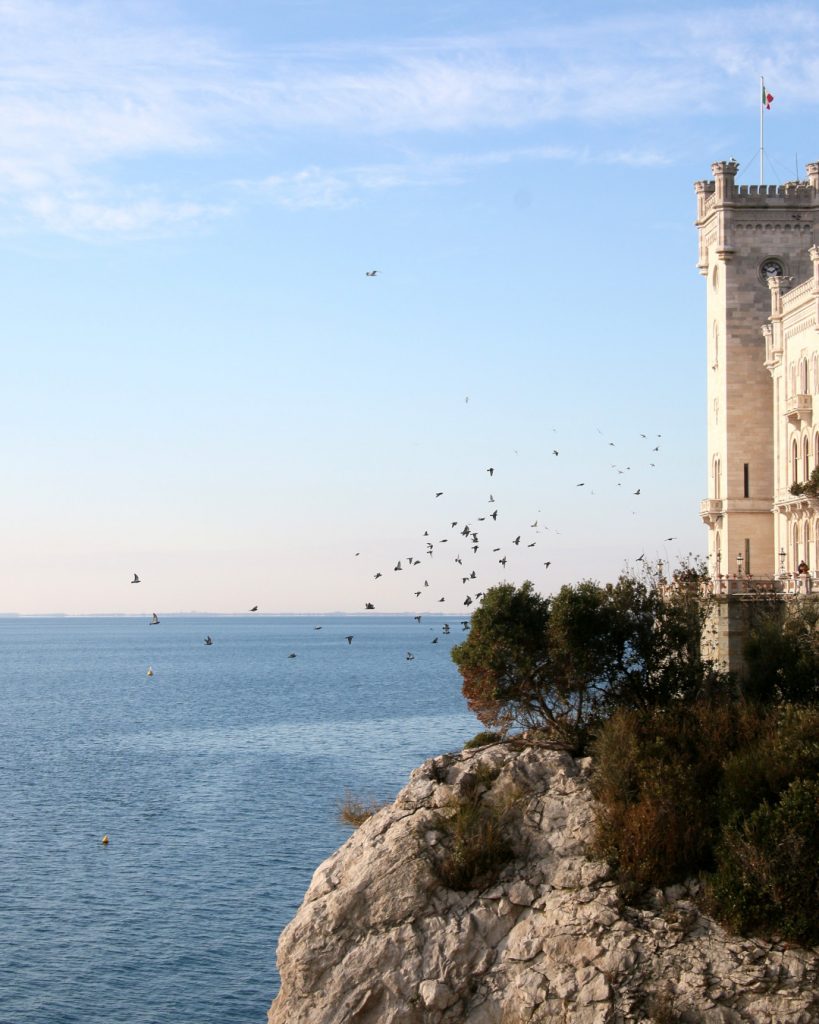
[(218, 782)]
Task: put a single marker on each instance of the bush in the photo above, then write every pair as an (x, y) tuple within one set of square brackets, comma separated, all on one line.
[(483, 739), (782, 652), (768, 874), (656, 778), (354, 811), (475, 846)]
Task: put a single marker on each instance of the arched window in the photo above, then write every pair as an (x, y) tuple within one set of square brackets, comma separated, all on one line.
[(805, 458), (803, 376), (816, 449), (717, 477), (794, 462), (795, 551)]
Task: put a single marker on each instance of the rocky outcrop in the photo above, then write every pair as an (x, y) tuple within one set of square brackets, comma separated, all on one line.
[(379, 939)]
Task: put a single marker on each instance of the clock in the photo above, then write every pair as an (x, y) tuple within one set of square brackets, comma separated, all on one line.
[(772, 268)]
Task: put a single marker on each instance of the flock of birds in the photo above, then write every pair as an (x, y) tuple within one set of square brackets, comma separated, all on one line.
[(468, 549), (458, 542)]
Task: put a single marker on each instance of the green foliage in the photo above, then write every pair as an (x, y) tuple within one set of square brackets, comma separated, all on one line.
[(483, 739), (562, 665), (504, 661), (810, 487), (728, 787), (768, 874), (782, 651), (656, 778)]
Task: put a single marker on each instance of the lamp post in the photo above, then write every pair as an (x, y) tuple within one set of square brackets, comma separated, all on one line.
[(782, 556), (739, 564)]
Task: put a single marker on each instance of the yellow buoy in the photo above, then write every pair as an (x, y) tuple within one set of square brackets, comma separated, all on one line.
[(105, 840)]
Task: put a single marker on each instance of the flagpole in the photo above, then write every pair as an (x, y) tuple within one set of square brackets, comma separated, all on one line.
[(762, 134)]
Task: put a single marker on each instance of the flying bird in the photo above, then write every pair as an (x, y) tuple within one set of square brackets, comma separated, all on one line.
[(369, 607), (417, 617), (410, 656), (255, 608), (371, 273), (208, 641), (154, 620), (467, 602), (136, 579), (491, 471), (438, 494), (291, 655), (377, 576), (349, 638), (637, 492), (516, 541), (555, 451), (435, 639), (547, 564)]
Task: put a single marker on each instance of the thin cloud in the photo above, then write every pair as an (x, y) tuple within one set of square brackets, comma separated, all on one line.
[(88, 91)]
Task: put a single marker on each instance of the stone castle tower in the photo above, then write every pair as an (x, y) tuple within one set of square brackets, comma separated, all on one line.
[(750, 237)]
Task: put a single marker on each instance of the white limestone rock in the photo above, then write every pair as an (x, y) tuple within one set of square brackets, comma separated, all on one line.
[(378, 939)]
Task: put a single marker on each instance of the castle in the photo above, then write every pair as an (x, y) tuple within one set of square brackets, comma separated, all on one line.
[(757, 253)]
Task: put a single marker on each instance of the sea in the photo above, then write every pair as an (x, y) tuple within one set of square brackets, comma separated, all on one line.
[(217, 780)]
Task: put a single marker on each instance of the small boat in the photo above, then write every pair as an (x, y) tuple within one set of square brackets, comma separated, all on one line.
[(154, 620), (150, 671)]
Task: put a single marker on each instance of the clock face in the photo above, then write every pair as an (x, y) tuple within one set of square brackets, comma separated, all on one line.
[(772, 268)]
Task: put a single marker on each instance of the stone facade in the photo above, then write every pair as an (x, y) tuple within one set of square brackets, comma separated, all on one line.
[(761, 267)]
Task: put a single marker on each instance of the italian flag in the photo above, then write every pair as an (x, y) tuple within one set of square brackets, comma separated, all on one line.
[(767, 99)]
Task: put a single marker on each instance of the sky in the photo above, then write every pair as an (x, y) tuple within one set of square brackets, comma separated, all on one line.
[(200, 384)]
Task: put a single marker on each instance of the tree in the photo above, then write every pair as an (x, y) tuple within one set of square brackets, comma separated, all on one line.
[(565, 664), (505, 661), (782, 651)]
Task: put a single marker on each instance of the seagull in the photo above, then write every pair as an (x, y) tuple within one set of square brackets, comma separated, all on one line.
[(491, 471), (516, 541), (547, 564), (349, 638), (371, 273), (136, 579), (441, 600), (417, 593), (494, 515), (317, 627), (637, 492), (581, 485), (438, 494), (255, 608), (369, 607), (467, 602), (435, 639), (291, 655), (154, 620), (377, 576), (464, 624), (502, 561), (671, 538), (397, 568), (208, 641), (417, 617), (555, 451), (410, 656), (446, 627), (532, 544)]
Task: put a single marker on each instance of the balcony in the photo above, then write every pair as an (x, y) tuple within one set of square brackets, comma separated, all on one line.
[(799, 408), (711, 509)]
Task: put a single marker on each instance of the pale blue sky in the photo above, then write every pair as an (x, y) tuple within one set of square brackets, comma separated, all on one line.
[(200, 384)]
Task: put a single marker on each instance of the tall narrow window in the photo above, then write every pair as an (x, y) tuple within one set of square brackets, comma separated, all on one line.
[(747, 556), (806, 543), (745, 479), (803, 376), (718, 550), (717, 477), (816, 449), (795, 547), (805, 458), (794, 462)]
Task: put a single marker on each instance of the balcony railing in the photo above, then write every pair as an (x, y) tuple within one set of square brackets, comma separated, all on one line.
[(788, 584), (799, 407)]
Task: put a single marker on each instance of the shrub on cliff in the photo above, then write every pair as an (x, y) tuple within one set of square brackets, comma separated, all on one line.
[(725, 787), (782, 651), (563, 664)]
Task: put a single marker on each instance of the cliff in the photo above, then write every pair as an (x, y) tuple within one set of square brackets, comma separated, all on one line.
[(380, 940)]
